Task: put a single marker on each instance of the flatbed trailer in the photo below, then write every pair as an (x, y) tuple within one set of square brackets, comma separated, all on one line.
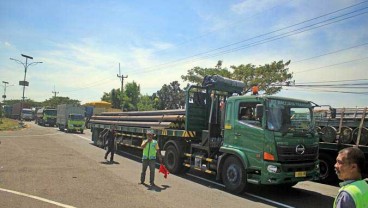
[(210, 135), (348, 128)]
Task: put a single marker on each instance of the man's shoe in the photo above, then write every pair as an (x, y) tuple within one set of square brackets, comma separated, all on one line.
[(141, 182), (152, 184)]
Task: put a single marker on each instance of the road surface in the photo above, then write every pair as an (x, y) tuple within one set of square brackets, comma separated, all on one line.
[(44, 167)]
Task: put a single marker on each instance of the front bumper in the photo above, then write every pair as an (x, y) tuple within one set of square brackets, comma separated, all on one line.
[(276, 173)]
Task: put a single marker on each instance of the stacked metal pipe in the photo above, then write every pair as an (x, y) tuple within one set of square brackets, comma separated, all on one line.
[(173, 119)]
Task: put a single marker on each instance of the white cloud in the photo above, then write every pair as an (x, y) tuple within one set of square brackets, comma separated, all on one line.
[(252, 6)]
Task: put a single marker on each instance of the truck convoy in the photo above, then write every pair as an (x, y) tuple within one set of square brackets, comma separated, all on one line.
[(340, 128), (46, 116), (70, 118), (211, 135)]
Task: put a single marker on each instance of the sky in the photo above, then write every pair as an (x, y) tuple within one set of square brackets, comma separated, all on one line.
[(81, 44)]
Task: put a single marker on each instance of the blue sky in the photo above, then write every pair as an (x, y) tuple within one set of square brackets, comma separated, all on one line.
[(81, 44)]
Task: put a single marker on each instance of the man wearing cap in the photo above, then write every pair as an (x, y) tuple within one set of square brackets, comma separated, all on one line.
[(150, 150)]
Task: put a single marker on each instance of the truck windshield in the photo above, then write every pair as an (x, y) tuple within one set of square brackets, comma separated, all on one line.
[(50, 112), (77, 117), (289, 117), (24, 111)]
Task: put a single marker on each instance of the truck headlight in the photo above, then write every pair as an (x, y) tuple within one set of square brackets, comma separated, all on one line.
[(272, 169)]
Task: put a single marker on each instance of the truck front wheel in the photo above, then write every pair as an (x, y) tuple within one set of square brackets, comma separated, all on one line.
[(173, 162), (233, 175)]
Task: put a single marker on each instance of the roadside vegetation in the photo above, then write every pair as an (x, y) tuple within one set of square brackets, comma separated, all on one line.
[(9, 124)]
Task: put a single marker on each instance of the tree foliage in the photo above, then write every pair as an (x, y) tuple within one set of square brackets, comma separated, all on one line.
[(263, 76), (145, 103), (171, 96), (133, 91), (55, 101)]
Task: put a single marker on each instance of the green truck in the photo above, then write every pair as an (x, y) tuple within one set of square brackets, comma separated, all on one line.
[(211, 135), (46, 116), (70, 118)]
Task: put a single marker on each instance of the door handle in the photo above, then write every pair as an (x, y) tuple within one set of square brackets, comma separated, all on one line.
[(237, 134)]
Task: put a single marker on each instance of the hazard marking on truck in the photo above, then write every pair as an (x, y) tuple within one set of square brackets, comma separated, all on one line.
[(164, 132), (188, 134)]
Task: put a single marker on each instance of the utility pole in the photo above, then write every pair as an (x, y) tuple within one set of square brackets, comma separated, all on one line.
[(26, 65), (54, 92), (121, 77)]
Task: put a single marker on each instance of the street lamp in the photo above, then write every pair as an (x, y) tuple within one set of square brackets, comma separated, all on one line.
[(26, 65), (5, 83)]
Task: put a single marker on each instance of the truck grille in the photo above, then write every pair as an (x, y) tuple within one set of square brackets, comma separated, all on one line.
[(289, 153)]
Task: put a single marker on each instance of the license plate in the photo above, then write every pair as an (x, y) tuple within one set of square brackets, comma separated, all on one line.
[(300, 174)]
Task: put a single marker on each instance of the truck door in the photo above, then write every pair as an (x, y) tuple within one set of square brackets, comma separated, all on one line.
[(248, 132)]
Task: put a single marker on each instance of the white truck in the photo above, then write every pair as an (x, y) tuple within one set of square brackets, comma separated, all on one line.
[(26, 114), (70, 118)]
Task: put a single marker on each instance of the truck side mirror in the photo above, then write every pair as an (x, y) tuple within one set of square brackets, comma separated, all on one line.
[(333, 112), (259, 111)]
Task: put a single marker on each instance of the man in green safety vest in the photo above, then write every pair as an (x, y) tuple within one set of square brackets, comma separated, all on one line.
[(354, 190), (150, 150)]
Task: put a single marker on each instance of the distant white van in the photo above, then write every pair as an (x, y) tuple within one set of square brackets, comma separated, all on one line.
[(27, 114)]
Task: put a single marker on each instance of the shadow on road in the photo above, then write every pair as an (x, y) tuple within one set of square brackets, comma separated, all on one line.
[(110, 163)]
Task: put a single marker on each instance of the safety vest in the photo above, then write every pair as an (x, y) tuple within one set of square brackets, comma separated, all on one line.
[(358, 190), (149, 152)]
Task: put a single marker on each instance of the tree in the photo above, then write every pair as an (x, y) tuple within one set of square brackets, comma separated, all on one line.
[(171, 96), (131, 96), (263, 76), (197, 74), (145, 103), (55, 101)]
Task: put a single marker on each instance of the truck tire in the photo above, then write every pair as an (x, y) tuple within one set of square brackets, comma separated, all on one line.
[(172, 160), (233, 175), (327, 169)]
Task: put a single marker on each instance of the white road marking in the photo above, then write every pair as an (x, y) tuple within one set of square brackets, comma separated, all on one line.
[(38, 198)]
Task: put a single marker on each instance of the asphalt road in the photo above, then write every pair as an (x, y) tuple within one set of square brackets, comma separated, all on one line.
[(44, 167)]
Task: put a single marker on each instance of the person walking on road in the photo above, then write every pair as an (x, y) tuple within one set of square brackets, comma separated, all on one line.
[(354, 190), (109, 135), (150, 151)]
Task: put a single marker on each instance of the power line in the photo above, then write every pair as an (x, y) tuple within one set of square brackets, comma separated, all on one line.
[(312, 69), (324, 90), (346, 80), (329, 53), (286, 34)]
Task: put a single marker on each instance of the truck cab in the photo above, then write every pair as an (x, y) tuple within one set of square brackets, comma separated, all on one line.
[(75, 122), (276, 145), (26, 114)]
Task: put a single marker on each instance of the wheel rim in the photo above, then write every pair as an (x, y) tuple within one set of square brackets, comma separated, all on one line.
[(170, 159), (232, 174)]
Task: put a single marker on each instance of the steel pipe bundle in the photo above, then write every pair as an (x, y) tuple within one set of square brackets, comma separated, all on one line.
[(146, 113), (134, 124), (174, 119)]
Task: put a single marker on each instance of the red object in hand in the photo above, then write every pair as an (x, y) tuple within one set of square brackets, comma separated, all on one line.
[(163, 170)]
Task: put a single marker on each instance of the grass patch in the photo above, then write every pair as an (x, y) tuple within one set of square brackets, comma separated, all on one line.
[(8, 124)]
